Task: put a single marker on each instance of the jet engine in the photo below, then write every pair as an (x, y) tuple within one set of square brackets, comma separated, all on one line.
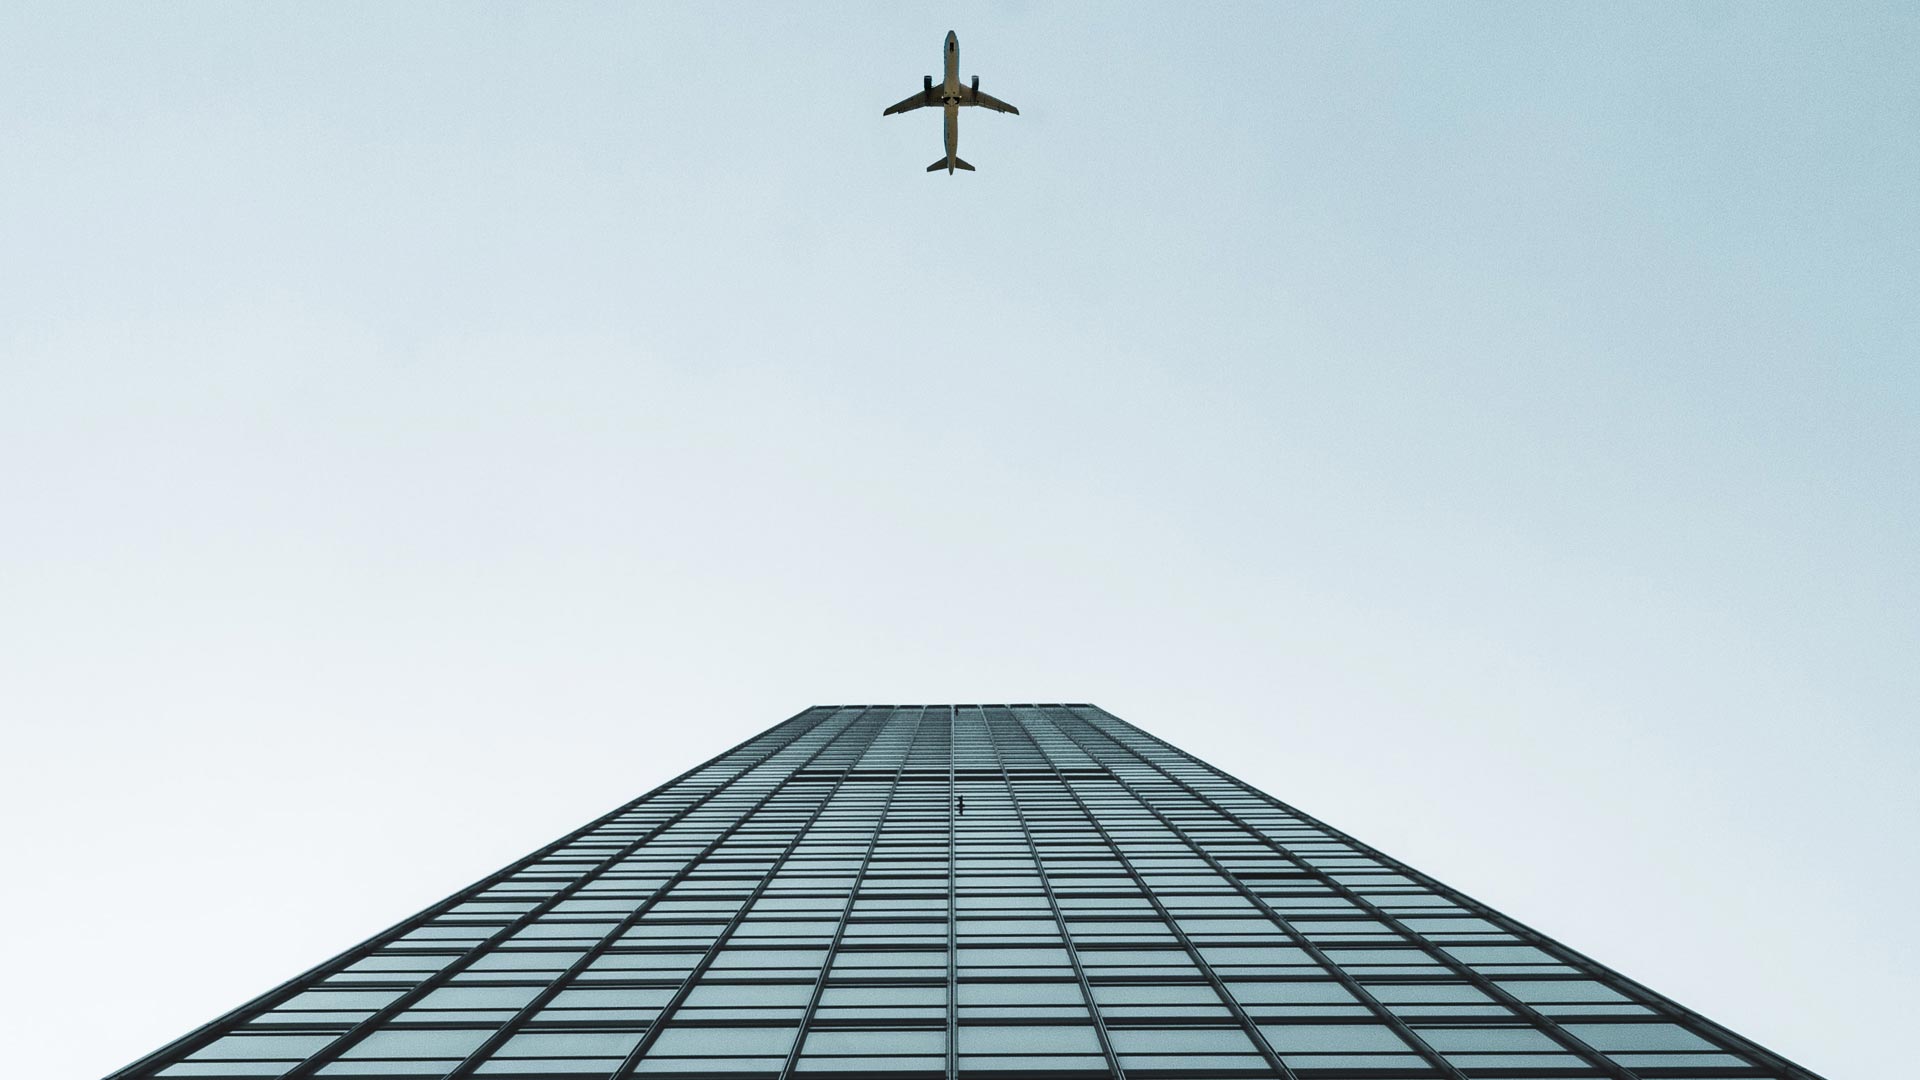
[(976, 84), (928, 84)]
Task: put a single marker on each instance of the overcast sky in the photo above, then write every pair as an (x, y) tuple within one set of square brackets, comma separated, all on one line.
[(1493, 429)]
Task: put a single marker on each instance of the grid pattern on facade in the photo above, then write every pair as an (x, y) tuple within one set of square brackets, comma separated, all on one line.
[(930, 891)]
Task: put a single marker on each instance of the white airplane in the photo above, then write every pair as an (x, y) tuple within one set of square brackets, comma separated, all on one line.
[(951, 95)]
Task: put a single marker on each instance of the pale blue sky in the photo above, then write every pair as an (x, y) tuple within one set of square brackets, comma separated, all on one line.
[(1491, 428)]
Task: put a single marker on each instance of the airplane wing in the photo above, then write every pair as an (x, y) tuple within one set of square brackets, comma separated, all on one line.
[(919, 98), (970, 96)]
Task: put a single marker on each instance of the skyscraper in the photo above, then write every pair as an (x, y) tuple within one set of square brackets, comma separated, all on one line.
[(982, 891)]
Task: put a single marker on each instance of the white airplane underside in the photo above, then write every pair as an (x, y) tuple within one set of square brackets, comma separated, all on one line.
[(949, 95)]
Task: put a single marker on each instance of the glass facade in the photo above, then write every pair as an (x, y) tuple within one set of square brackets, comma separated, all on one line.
[(980, 891)]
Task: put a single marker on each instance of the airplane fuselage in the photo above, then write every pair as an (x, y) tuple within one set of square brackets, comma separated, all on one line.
[(950, 97)]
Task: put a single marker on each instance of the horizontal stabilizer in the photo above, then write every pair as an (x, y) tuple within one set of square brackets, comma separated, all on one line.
[(942, 164)]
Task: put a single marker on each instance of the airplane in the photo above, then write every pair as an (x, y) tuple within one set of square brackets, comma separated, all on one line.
[(951, 95)]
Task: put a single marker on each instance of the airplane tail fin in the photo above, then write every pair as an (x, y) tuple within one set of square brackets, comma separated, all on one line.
[(942, 164)]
